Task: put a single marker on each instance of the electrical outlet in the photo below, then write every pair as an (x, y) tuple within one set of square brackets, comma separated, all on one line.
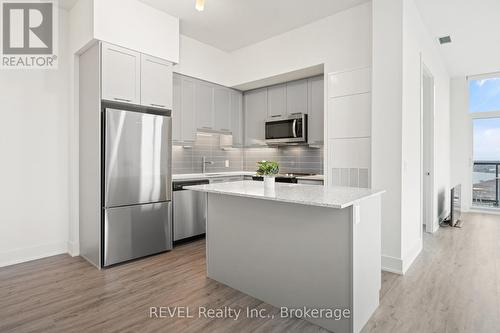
[(226, 163)]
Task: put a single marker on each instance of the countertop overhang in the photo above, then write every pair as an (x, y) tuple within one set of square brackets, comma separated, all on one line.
[(312, 195)]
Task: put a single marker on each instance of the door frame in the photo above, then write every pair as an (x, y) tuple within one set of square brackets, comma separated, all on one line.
[(427, 168)]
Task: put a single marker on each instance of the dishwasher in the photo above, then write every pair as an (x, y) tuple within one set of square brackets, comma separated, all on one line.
[(189, 211)]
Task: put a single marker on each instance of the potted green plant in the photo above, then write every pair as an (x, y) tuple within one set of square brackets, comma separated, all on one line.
[(268, 169)]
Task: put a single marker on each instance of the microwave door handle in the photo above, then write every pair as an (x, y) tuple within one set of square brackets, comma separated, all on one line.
[(294, 128)]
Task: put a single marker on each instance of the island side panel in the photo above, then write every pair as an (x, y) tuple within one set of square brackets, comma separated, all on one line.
[(283, 254), (367, 273)]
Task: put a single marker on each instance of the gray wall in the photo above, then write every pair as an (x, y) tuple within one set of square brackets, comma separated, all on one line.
[(290, 158)]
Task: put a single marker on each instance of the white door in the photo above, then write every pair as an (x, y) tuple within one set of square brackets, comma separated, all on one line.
[(121, 74), (428, 150), (222, 109), (156, 82)]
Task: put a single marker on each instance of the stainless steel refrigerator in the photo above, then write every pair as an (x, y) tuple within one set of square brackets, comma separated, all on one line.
[(137, 194)]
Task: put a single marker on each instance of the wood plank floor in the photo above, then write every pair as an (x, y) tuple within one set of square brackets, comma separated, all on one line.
[(453, 286)]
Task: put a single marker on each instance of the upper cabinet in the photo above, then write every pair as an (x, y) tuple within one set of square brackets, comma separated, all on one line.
[(255, 117), (121, 74), (156, 82), (237, 117), (132, 77), (276, 101), (176, 109), (204, 105), (304, 96), (296, 97), (222, 109), (315, 108), (187, 110)]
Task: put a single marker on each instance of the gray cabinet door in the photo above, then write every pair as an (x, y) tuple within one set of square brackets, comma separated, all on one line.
[(237, 117), (177, 108), (121, 74), (222, 109), (296, 97), (316, 110), (156, 82), (188, 124), (276, 101), (255, 102), (204, 105)]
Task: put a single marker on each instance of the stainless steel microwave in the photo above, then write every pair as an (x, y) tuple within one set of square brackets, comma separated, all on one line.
[(283, 130)]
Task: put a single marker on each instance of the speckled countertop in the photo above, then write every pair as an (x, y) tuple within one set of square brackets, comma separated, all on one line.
[(313, 195)]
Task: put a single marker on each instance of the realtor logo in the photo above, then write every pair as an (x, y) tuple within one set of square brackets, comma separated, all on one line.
[(29, 31)]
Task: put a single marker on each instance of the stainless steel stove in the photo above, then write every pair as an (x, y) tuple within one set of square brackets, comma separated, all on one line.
[(286, 177)]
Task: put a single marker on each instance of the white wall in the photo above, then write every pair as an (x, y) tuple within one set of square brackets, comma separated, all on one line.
[(204, 62), (387, 123), (340, 41), (34, 106), (137, 26), (419, 45), (461, 140), (400, 41)]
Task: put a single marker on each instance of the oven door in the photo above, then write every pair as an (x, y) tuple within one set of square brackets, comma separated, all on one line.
[(291, 130)]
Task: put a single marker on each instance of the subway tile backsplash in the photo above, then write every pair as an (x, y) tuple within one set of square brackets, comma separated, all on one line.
[(290, 158), (188, 159)]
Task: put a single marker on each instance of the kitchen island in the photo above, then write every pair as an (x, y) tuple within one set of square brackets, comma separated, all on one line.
[(298, 247)]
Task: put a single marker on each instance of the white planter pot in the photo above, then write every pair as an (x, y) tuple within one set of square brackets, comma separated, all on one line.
[(269, 182)]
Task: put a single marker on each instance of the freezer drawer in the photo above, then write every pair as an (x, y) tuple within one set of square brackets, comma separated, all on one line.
[(137, 158), (189, 214), (136, 231)]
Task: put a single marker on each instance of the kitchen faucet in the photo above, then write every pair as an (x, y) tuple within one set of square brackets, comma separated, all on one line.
[(204, 162)]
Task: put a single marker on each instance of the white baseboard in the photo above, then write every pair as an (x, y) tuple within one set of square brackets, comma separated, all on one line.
[(32, 253), (392, 264), (398, 265), (412, 255), (73, 248)]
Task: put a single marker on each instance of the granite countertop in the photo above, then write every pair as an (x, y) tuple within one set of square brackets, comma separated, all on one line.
[(313, 195), (187, 176)]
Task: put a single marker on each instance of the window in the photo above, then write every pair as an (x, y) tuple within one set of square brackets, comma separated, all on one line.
[(484, 95), (484, 108), (485, 176)]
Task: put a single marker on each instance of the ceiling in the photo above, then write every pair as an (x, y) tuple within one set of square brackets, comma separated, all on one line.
[(232, 24), (474, 29)]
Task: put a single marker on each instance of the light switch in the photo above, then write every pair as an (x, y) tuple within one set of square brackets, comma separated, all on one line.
[(226, 163)]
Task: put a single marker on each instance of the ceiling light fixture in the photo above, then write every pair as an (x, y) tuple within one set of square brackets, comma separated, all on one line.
[(200, 5)]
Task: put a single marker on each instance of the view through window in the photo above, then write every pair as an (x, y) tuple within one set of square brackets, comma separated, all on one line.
[(484, 106)]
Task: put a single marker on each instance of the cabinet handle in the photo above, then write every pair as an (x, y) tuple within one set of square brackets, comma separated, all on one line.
[(122, 99), (158, 105), (277, 115), (207, 127), (295, 113)]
